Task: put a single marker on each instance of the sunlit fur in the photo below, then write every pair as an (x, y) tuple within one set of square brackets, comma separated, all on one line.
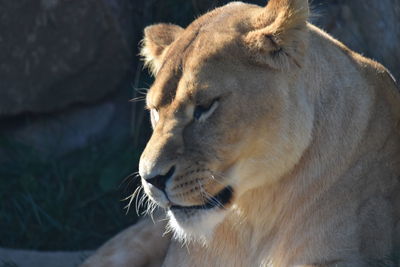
[(306, 133)]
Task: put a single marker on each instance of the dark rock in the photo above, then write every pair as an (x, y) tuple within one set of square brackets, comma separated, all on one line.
[(57, 134), (58, 52), (123, 13), (369, 27)]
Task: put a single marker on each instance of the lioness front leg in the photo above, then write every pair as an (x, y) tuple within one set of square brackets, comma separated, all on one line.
[(142, 244)]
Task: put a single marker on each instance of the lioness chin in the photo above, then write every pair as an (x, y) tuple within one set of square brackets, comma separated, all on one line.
[(273, 145)]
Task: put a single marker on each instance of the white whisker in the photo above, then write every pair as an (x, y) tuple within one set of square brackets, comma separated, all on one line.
[(132, 197)]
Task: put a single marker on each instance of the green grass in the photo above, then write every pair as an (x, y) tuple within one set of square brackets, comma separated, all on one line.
[(68, 203)]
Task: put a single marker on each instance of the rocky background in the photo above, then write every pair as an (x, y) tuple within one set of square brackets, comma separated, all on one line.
[(67, 72)]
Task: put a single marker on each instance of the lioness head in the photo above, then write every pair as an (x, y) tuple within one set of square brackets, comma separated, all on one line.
[(229, 108)]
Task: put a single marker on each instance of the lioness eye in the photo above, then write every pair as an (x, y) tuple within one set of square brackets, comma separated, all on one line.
[(203, 112)]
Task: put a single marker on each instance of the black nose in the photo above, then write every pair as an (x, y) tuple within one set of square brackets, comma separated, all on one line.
[(159, 181)]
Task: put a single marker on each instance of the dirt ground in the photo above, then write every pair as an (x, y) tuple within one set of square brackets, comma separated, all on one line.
[(28, 258)]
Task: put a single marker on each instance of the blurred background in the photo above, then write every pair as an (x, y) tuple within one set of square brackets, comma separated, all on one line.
[(70, 137)]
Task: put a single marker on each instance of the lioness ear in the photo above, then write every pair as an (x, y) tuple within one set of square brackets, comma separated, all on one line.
[(156, 38), (279, 36)]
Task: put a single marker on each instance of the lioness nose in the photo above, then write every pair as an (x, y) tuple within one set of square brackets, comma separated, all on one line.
[(159, 181)]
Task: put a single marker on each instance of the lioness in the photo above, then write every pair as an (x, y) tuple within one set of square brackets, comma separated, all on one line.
[(273, 145)]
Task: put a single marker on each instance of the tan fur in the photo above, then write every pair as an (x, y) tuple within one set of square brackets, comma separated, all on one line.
[(306, 133), (140, 245)]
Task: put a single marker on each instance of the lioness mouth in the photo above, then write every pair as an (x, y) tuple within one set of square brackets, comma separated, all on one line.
[(219, 200)]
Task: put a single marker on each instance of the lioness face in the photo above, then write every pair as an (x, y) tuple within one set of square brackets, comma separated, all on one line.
[(218, 115)]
